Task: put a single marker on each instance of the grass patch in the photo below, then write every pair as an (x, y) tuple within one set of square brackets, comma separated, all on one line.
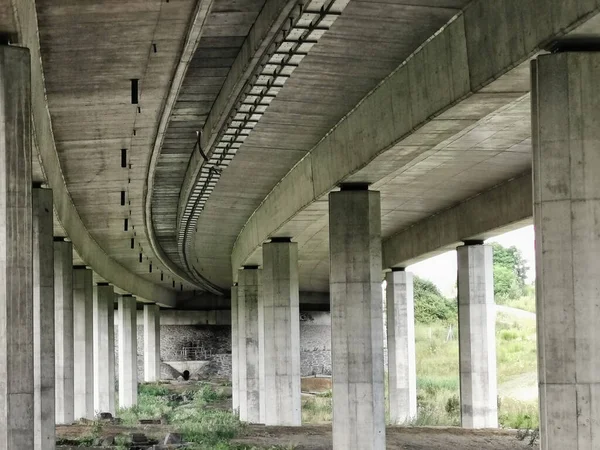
[(438, 385), (526, 303), (317, 408), (192, 413)]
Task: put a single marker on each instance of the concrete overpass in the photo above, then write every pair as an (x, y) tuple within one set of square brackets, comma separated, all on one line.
[(181, 152)]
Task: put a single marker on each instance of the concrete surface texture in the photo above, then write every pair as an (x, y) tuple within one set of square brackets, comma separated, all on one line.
[(477, 337), (43, 320), (566, 142), (235, 345), (16, 238), (104, 349), (180, 140), (63, 331), (356, 320), (151, 343), (128, 373), (402, 366), (83, 335), (281, 316), (248, 351)]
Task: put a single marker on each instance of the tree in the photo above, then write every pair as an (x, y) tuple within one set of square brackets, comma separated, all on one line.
[(510, 272), (430, 304)]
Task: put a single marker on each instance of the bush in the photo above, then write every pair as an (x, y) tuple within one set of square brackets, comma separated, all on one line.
[(430, 305), (506, 284)]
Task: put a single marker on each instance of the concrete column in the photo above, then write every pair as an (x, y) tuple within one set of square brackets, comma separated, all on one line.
[(16, 281), (402, 367), (127, 351), (63, 333), (235, 367), (281, 312), (151, 343), (566, 163), (104, 348), (83, 331), (261, 354), (477, 336), (356, 319), (249, 374), (43, 319)]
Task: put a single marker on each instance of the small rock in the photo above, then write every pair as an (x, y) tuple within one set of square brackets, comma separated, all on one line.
[(137, 438), (173, 438)]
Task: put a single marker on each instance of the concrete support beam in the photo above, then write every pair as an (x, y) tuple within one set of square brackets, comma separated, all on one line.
[(16, 281), (356, 320), (566, 162), (249, 373), (281, 312), (477, 337), (83, 331), (63, 333), (43, 320), (104, 348), (151, 343), (402, 367), (235, 344), (127, 351), (499, 210)]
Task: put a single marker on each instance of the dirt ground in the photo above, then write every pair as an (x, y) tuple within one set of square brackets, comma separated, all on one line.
[(318, 437)]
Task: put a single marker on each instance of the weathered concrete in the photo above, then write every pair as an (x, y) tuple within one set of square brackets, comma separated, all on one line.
[(402, 366), (249, 376), (127, 351), (566, 145), (235, 344), (356, 320), (63, 331), (477, 337), (16, 281), (83, 332), (281, 312), (439, 91), (261, 354), (151, 343), (87, 247), (104, 348), (494, 212), (43, 319)]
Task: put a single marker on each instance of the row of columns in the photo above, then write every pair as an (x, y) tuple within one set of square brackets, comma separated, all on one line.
[(56, 328), (265, 327), (266, 338)]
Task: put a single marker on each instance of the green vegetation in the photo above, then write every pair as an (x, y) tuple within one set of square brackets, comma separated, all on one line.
[(195, 413), (510, 273), (436, 336), (317, 408), (430, 305), (437, 373)]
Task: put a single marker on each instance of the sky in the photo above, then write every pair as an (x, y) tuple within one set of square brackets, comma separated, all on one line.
[(441, 269)]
